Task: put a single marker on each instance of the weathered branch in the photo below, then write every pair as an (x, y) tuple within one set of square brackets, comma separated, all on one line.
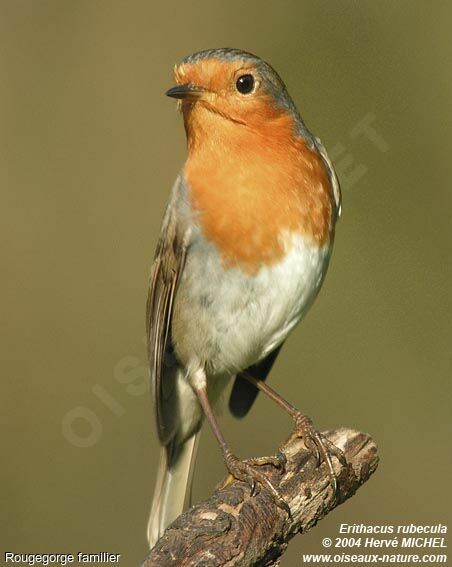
[(235, 529)]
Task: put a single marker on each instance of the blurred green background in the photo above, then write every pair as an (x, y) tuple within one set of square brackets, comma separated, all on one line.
[(89, 148)]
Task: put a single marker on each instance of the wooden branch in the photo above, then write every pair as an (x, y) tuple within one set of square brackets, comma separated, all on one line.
[(235, 529)]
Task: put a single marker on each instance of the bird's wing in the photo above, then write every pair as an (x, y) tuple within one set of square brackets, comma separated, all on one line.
[(335, 185), (168, 265), (243, 392)]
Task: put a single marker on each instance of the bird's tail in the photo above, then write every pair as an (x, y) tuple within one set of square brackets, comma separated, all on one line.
[(172, 491)]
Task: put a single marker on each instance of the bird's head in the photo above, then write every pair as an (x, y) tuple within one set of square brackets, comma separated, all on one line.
[(221, 87)]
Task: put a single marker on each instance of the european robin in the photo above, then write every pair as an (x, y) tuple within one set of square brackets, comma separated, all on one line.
[(244, 248)]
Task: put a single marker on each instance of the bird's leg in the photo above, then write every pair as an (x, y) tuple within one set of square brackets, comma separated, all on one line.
[(304, 428), (246, 470)]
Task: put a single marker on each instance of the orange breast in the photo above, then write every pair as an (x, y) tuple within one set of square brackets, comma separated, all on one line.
[(250, 187)]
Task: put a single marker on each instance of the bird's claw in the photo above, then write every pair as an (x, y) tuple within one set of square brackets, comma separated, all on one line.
[(320, 445), (247, 471), (278, 461)]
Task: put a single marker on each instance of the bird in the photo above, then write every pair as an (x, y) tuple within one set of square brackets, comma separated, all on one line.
[(244, 247)]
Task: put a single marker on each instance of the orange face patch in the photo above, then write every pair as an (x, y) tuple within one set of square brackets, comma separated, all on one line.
[(213, 74), (219, 78)]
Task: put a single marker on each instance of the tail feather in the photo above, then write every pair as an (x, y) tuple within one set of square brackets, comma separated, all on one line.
[(172, 491)]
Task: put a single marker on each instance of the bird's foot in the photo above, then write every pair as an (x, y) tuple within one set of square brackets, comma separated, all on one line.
[(315, 441), (248, 471), (278, 461)]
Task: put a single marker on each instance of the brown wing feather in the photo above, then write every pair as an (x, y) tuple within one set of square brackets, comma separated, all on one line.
[(166, 271)]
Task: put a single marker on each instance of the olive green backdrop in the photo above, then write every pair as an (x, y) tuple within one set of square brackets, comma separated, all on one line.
[(89, 148)]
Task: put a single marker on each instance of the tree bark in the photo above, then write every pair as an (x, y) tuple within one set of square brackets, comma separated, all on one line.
[(233, 528)]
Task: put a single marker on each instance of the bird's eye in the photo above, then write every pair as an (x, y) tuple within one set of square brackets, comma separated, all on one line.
[(245, 84)]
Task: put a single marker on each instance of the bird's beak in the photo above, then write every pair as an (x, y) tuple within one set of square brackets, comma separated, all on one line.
[(187, 92)]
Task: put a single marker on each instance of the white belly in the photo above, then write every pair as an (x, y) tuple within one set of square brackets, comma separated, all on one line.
[(227, 320)]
